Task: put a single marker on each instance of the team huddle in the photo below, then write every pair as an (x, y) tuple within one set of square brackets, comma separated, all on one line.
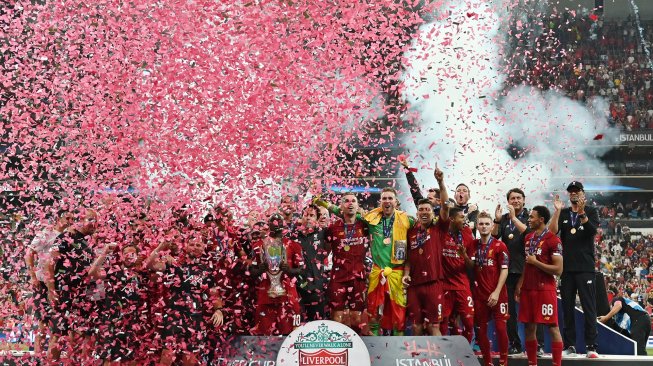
[(204, 282)]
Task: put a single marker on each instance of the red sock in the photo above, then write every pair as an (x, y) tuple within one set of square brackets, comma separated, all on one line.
[(484, 343), (502, 341), (468, 324), (556, 353), (444, 326), (531, 352)]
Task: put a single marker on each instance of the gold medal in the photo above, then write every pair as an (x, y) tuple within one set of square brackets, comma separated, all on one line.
[(511, 236), (573, 230), (347, 248), (421, 251), (387, 241)]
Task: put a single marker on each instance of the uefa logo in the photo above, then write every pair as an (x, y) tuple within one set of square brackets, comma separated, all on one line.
[(323, 343)]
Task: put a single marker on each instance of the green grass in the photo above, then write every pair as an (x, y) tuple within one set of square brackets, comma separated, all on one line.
[(650, 351)]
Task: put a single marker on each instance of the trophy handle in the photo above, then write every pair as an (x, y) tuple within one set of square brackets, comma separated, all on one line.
[(283, 253)]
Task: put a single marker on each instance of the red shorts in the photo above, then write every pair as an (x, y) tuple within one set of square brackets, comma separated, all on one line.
[(350, 295), (276, 319), (424, 302), (458, 302), (483, 313), (538, 307)]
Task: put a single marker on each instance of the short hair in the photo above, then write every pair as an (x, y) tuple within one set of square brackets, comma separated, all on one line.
[(454, 211), (483, 215), (292, 198), (515, 190), (389, 189), (464, 185), (131, 245), (348, 193), (543, 212), (434, 190), (423, 201), (318, 213)]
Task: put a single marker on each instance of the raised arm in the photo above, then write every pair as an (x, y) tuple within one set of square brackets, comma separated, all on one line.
[(588, 218), (153, 262), (444, 196), (95, 271), (497, 222), (49, 274), (317, 200), (415, 191), (553, 223), (29, 262), (515, 220)]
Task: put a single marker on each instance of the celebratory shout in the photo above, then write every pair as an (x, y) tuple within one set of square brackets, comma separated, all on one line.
[(450, 270)]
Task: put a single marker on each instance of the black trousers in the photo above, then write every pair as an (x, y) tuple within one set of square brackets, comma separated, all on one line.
[(640, 330), (513, 334), (313, 308), (583, 283)]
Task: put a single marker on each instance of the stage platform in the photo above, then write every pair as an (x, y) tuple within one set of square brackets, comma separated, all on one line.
[(581, 360), (27, 358)]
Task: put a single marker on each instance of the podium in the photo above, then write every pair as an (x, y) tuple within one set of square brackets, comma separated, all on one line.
[(384, 351)]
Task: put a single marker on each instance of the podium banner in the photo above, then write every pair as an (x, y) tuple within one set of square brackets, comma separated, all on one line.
[(383, 351)]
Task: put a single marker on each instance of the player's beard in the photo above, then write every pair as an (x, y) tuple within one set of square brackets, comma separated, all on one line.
[(574, 199)]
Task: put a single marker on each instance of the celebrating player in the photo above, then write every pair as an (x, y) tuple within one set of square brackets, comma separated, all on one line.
[(536, 289), (490, 293), (348, 239)]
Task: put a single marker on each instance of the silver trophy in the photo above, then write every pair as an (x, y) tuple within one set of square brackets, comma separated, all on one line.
[(274, 254)]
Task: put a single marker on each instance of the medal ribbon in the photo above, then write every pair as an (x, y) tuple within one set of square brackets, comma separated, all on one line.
[(574, 217), (349, 234), (511, 226), (421, 238), (531, 248), (458, 239), (482, 255), (387, 226)]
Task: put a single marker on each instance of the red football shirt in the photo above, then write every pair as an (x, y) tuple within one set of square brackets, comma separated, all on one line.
[(349, 244), (425, 254), (489, 260), (544, 249), (294, 258), (453, 265)]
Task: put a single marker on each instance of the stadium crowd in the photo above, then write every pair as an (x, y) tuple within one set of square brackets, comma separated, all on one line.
[(585, 57)]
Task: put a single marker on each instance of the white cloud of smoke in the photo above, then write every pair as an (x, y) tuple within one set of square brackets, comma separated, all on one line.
[(454, 82)]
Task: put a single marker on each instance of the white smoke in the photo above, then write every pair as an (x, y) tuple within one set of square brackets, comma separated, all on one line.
[(454, 83)]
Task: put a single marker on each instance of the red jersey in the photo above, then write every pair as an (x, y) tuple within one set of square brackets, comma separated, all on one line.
[(349, 244), (295, 260), (453, 264), (425, 254), (489, 260), (544, 247)]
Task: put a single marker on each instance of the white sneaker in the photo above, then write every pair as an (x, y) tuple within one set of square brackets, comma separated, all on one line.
[(569, 352), (591, 353)]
